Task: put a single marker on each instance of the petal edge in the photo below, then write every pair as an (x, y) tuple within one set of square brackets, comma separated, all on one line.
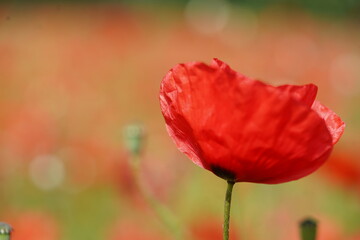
[(333, 122)]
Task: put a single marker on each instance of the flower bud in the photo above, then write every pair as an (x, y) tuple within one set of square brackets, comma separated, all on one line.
[(308, 229), (134, 138), (5, 231)]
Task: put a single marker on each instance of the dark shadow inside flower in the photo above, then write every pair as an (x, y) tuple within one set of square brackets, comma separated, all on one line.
[(223, 173)]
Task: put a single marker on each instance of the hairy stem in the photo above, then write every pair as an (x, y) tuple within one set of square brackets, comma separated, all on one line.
[(227, 205)]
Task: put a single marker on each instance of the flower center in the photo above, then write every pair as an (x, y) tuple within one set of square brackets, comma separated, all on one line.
[(223, 173)]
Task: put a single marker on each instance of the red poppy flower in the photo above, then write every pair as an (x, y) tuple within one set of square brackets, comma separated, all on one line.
[(244, 130)]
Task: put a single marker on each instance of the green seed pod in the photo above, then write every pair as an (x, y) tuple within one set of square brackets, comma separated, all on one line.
[(308, 229), (5, 231), (134, 138)]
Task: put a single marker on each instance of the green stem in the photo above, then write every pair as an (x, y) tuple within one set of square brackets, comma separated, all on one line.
[(227, 205), (308, 229), (163, 213), (5, 237)]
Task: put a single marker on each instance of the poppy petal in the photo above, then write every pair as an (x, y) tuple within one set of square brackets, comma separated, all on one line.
[(242, 129), (334, 123), (305, 94)]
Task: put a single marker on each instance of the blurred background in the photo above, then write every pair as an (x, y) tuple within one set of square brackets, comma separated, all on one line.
[(74, 74)]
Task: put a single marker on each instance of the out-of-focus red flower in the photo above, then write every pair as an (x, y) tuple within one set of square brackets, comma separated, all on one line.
[(355, 237), (159, 180), (153, 175), (210, 228), (28, 131), (33, 226), (244, 130), (133, 230), (343, 169), (99, 157)]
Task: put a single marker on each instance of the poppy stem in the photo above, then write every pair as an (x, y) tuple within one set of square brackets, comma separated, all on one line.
[(227, 205), (134, 141), (163, 213)]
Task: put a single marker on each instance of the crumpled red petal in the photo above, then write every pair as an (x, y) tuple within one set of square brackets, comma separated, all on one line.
[(242, 129), (305, 94), (333, 122)]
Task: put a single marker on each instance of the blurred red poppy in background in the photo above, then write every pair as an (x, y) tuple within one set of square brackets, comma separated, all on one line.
[(355, 237), (244, 130), (27, 131), (130, 229), (343, 169), (210, 228), (33, 226)]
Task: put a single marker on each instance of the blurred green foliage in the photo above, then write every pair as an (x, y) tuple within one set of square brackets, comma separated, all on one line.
[(327, 8)]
